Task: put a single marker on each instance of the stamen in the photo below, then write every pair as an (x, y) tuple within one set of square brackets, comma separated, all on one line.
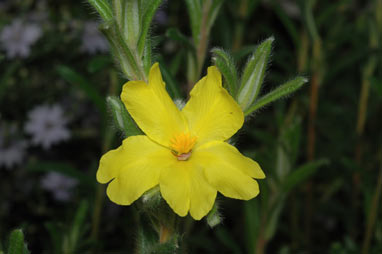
[(181, 145)]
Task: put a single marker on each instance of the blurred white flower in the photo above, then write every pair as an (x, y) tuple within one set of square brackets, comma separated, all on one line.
[(92, 40), (18, 37), (60, 185), (47, 125), (12, 149), (290, 7), (161, 17)]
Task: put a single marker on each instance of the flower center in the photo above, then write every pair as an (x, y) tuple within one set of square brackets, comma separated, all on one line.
[(181, 146)]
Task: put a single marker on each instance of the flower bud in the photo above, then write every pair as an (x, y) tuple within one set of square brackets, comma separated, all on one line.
[(253, 75)]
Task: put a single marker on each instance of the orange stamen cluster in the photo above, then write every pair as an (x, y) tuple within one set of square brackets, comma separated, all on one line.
[(182, 144)]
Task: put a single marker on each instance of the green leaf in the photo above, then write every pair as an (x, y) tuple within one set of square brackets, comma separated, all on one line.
[(227, 67), (103, 8), (309, 19), (116, 50), (131, 23), (75, 78), (171, 84), (122, 118), (253, 75), (55, 236), (273, 220), (78, 225), (122, 52), (98, 63), (176, 35), (213, 12), (302, 173), (252, 223), (194, 9), (150, 9), (127, 53), (147, 57), (16, 243), (376, 85), (276, 94), (118, 13), (176, 62)]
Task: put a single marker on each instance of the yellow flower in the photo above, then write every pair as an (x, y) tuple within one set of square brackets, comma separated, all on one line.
[(184, 151)]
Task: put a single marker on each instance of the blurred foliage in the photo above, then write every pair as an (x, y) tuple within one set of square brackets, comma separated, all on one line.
[(321, 194)]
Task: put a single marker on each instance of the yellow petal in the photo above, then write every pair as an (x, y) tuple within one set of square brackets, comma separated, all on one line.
[(134, 167), (185, 188), (202, 195), (211, 112), (152, 108), (174, 186), (229, 171)]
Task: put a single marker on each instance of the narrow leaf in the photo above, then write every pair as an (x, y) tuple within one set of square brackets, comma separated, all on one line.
[(16, 242), (150, 9), (118, 12), (128, 54), (227, 67), (116, 50), (78, 223), (176, 62), (55, 235), (171, 84), (194, 9), (279, 92), (176, 35), (213, 12), (302, 173), (75, 78), (131, 22), (103, 8), (122, 117), (253, 75), (252, 217), (273, 221), (147, 57)]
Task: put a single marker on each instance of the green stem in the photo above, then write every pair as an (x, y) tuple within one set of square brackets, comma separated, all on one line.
[(373, 212), (317, 76), (201, 48), (367, 73), (100, 192), (240, 25)]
